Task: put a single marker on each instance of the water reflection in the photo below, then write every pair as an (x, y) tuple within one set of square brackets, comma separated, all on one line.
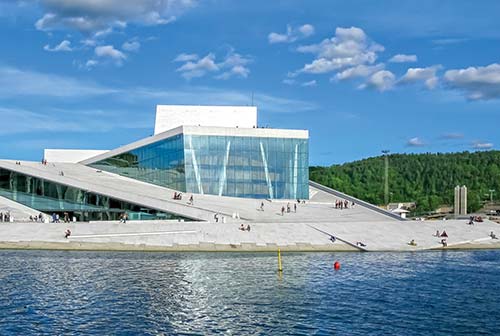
[(160, 293)]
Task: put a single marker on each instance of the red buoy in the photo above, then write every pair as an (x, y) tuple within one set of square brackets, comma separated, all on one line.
[(336, 265)]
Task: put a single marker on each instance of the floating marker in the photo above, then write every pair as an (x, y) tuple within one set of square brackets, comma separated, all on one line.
[(336, 265), (280, 268)]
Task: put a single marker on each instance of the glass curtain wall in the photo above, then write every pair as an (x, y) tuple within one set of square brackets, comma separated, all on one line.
[(253, 167), (50, 197), (247, 166), (160, 163)]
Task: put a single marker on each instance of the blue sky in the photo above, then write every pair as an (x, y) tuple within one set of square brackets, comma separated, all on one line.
[(362, 76)]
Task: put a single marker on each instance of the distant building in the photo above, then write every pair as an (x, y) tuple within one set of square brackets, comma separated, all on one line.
[(460, 203)]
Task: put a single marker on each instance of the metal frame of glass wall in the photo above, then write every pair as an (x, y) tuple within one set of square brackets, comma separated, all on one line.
[(50, 197), (254, 167)]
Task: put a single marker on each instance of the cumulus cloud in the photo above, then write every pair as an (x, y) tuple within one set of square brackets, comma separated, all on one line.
[(349, 47), (478, 83), (402, 58), (482, 145), (415, 142), (382, 80), (426, 75), (131, 46), (63, 46), (361, 70), (292, 34), (233, 65), (109, 52), (198, 68), (90, 16), (186, 57)]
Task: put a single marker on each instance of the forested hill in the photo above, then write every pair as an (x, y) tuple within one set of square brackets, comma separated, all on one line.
[(427, 179)]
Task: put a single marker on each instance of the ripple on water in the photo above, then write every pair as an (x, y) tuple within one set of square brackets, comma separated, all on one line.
[(98, 293)]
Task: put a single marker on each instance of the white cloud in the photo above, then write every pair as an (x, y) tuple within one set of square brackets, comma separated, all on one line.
[(91, 63), (16, 82), (90, 16), (233, 65), (108, 51), (382, 80), (186, 57), (482, 145), (415, 142), (19, 83), (349, 47), (358, 71), (131, 46), (402, 58), (292, 34), (236, 65), (310, 83), (427, 75), (63, 46), (478, 83), (199, 68)]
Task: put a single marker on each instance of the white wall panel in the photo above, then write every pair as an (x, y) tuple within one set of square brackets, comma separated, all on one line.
[(70, 155), (171, 116)]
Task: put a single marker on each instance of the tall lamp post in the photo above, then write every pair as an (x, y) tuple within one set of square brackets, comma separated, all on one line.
[(386, 176)]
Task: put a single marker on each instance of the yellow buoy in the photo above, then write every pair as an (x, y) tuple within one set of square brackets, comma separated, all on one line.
[(280, 268)]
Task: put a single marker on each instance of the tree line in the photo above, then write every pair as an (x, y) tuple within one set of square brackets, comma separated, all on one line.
[(427, 179)]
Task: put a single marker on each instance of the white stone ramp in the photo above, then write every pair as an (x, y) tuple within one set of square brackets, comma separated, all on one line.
[(18, 211), (204, 207)]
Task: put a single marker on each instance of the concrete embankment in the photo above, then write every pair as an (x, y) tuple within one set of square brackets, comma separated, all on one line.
[(265, 237)]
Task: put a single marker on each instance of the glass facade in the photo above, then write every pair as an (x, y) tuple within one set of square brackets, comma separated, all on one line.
[(254, 167), (50, 197)]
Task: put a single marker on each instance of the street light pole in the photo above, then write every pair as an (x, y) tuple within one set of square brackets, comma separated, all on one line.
[(386, 176)]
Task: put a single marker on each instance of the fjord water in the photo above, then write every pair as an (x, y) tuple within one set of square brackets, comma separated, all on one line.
[(102, 293)]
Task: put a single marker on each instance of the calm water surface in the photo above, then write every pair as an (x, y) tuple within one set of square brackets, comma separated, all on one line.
[(99, 293)]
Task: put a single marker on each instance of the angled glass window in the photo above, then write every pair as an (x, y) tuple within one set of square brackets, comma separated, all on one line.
[(50, 197)]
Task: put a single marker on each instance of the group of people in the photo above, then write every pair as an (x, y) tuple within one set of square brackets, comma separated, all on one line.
[(178, 196), (288, 208), (218, 217), (473, 219), (37, 218), (123, 218), (55, 218), (5, 216), (339, 204), (44, 162), (444, 236), (243, 228)]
